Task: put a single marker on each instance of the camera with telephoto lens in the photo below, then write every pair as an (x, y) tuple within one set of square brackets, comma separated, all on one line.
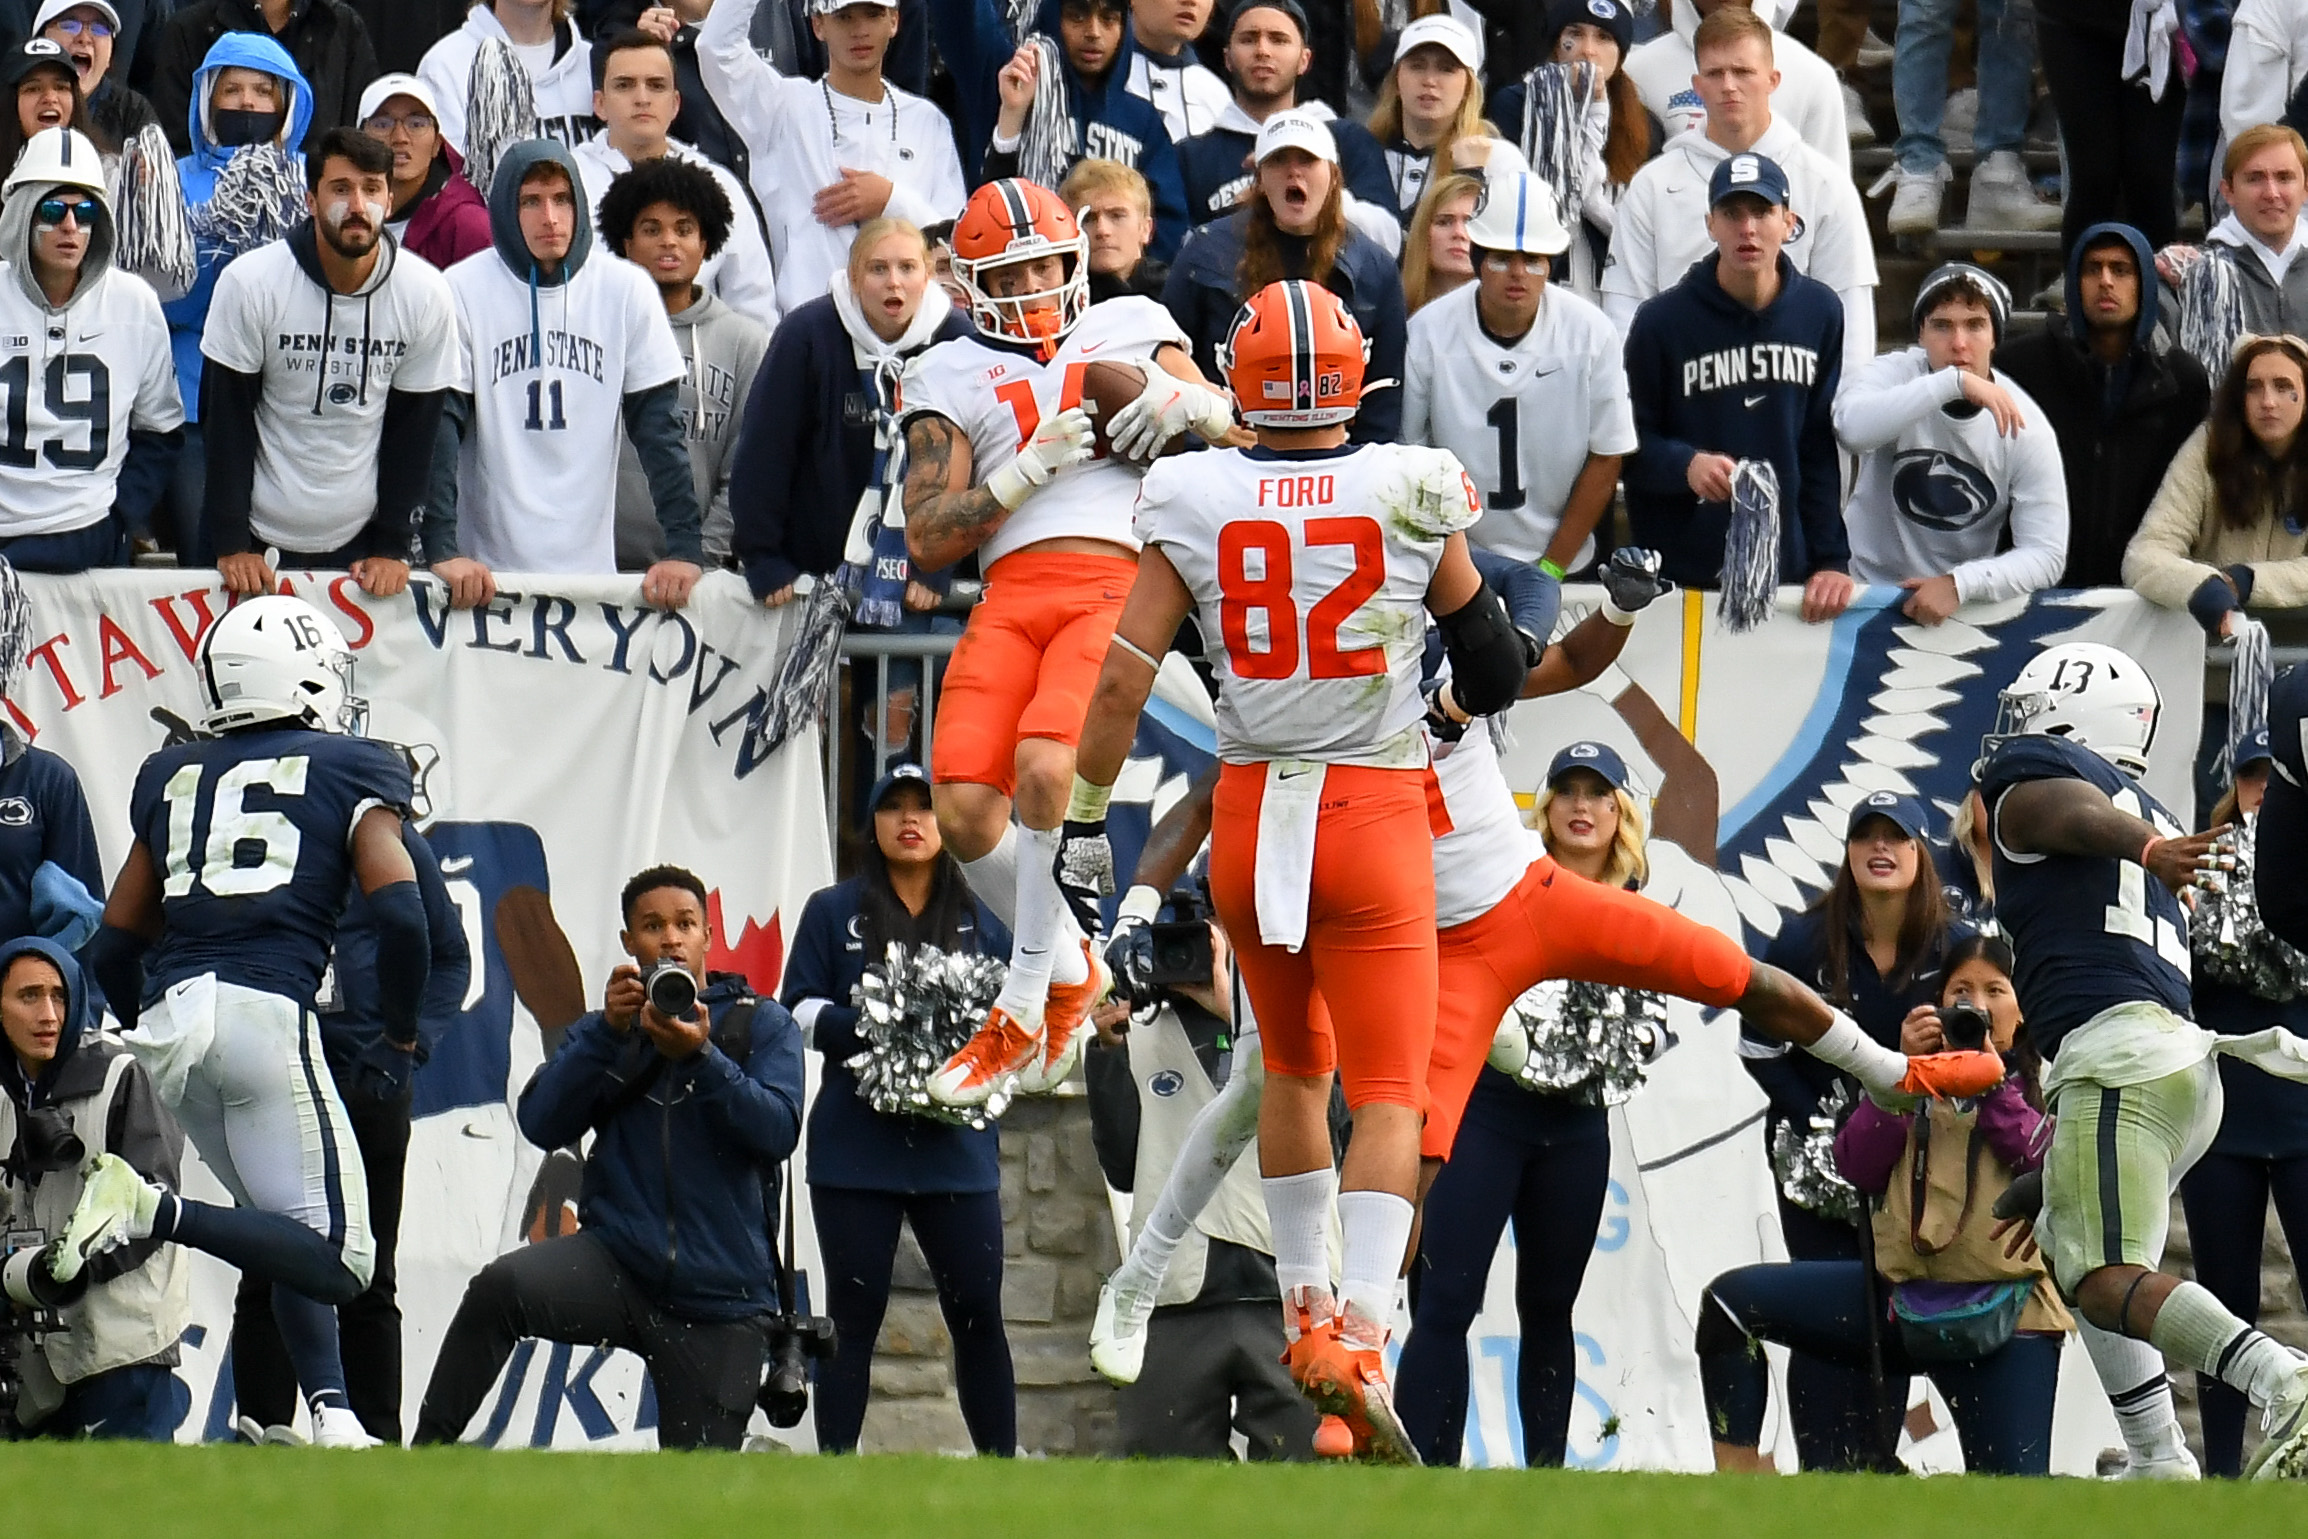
[(791, 1340), (671, 988), (1182, 955), (50, 1143), (1965, 1026), (20, 1327)]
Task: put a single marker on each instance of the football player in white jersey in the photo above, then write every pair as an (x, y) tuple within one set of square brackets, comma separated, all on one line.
[(999, 461), (1524, 382), (565, 350), (1314, 564), (93, 419)]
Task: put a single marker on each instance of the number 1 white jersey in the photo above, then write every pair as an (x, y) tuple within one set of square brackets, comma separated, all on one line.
[(1521, 416), (551, 368), (1309, 572)]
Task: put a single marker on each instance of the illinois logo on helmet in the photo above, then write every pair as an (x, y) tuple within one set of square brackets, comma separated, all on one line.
[(1013, 221), (1295, 357)]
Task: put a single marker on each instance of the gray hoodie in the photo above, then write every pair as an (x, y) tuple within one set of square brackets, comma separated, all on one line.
[(721, 350)]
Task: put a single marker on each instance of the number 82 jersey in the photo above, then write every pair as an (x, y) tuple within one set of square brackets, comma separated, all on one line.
[(2087, 934), (1309, 573), (251, 834)]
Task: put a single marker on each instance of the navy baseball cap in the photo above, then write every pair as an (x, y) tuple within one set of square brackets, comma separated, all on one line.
[(898, 775), (2252, 750), (1599, 758), (1904, 811), (1750, 175)]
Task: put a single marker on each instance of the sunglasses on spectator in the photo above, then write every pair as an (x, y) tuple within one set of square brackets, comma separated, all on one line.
[(384, 123), (51, 212), (73, 26)]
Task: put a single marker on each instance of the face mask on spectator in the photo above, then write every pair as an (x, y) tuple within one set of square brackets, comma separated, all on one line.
[(236, 126)]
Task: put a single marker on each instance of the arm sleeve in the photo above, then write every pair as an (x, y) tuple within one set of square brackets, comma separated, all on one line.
[(450, 972), (1159, 165), (116, 961), (228, 400), (1886, 396), (556, 1107), (653, 422), (404, 957), (975, 44), (741, 82), (144, 473), (938, 192), (405, 451), (1380, 420), (2159, 564), (1660, 461), (1819, 501), (1868, 1147), (996, 164), (2255, 82), (769, 452), (2018, 1133), (437, 520), (746, 280), (68, 833), (2039, 524), (1418, 383), (1858, 325), (812, 989)]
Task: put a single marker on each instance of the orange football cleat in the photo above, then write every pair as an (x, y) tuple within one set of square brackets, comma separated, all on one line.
[(1348, 1385), (1953, 1076), (994, 1055), (1063, 1018), (1334, 1439)]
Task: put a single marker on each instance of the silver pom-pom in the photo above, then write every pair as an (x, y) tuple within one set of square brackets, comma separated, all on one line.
[(1590, 1041), (2230, 943), (1803, 1158), (259, 197), (916, 1008)]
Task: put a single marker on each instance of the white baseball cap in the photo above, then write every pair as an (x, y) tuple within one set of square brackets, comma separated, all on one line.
[(385, 87), (55, 8), (1446, 32), (1297, 129)]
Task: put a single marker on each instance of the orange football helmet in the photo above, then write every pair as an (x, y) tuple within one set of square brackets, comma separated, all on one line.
[(1014, 220), (1295, 357)]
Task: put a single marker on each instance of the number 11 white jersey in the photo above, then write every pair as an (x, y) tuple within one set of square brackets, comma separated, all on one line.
[(1521, 416), (550, 371), (1309, 572)]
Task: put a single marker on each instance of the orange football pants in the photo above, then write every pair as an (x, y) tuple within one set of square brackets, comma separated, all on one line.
[(1027, 663), (1370, 947), (1556, 925)]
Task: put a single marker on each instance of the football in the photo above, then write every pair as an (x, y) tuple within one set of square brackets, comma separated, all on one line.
[(1106, 389)]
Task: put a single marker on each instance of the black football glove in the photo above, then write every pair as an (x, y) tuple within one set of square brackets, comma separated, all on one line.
[(1631, 577), (1130, 958), (381, 1071), (1085, 871), (1439, 724)]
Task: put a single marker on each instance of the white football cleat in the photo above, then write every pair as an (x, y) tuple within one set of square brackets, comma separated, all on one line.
[(277, 1436), (2283, 1450), (335, 1426), (1118, 1332), (116, 1205), (2178, 1465)]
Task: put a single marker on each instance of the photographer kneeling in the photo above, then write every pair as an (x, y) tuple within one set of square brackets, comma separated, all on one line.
[(674, 1260), (72, 1093), (1951, 1303)]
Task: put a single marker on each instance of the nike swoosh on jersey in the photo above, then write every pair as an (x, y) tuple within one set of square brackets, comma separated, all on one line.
[(1090, 347), (1753, 401)]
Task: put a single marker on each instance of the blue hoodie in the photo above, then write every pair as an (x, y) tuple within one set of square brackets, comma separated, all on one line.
[(188, 317), (679, 1181), (1109, 123), (1708, 375)]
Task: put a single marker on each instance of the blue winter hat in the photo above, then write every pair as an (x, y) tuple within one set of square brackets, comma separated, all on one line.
[(1904, 811), (1597, 758), (1749, 175), (1613, 16)]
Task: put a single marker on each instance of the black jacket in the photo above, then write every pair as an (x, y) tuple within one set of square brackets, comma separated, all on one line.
[(401, 30), (2117, 434), (326, 37)]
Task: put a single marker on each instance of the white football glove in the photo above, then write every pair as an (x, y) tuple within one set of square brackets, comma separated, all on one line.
[(1060, 441), (1167, 407)]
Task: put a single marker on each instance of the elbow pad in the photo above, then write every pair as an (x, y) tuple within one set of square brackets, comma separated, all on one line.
[(404, 957), (1489, 657)]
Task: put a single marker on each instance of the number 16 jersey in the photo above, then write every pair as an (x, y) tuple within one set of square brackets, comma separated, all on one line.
[(1309, 572), (251, 834)]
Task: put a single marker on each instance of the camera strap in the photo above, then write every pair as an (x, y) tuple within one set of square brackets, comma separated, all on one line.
[(733, 1034)]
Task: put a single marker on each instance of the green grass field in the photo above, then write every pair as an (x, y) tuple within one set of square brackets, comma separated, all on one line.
[(235, 1493)]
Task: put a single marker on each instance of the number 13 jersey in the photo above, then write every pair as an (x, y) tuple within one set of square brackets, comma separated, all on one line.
[(1309, 572), (251, 834)]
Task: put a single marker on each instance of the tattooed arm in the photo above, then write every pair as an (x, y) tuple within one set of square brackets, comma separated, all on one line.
[(947, 516)]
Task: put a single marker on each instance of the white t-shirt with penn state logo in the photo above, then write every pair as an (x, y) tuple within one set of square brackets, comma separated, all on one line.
[(328, 362), (537, 481), (74, 383)]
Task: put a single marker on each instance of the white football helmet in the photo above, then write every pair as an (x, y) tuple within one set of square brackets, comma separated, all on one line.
[(2090, 694), (278, 659)]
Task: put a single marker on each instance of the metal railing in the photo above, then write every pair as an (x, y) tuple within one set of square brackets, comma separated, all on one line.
[(859, 650)]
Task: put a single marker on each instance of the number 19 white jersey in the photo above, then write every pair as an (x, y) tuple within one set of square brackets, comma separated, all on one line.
[(1309, 572)]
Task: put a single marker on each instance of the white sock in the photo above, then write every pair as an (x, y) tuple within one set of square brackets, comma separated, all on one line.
[(1069, 963), (1844, 1045), (994, 877), (2132, 1374), (2197, 1330), (1298, 1210), (1041, 916), (1376, 1230)]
